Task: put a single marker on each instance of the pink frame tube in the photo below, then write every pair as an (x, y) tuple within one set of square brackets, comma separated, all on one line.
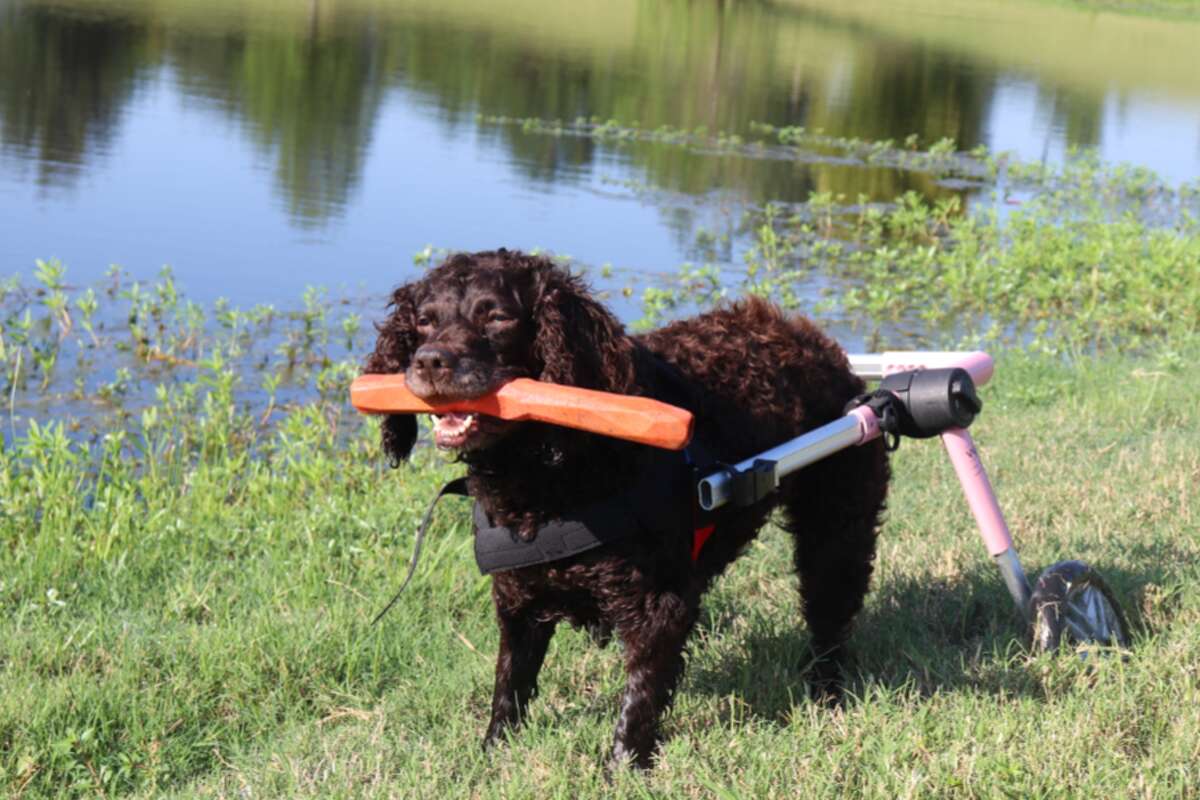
[(978, 489), (872, 366), (960, 448), (959, 445), (981, 498)]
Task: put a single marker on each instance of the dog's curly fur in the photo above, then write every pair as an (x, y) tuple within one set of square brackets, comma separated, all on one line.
[(752, 376)]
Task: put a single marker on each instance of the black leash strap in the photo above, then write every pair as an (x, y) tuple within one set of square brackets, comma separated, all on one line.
[(458, 487)]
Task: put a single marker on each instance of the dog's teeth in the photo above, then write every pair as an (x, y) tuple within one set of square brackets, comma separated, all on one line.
[(453, 426)]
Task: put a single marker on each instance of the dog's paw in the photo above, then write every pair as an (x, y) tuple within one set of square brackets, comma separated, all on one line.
[(824, 678), (827, 692), (495, 735), (627, 760)]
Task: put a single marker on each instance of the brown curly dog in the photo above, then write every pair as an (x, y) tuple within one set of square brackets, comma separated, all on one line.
[(752, 376)]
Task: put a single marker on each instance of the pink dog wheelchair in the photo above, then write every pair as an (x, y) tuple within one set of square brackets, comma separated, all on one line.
[(923, 395)]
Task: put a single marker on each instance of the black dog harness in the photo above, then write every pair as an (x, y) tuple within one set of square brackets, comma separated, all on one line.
[(658, 503), (661, 501)]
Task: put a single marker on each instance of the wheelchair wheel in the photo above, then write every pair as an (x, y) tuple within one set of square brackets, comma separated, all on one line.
[(1073, 606)]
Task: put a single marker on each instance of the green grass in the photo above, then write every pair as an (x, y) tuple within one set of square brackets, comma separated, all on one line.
[(191, 553), (199, 627)]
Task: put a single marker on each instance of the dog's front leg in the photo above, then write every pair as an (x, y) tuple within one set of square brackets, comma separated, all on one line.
[(523, 643), (654, 653)]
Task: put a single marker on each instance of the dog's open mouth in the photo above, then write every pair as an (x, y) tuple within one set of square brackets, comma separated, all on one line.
[(454, 429), (462, 430)]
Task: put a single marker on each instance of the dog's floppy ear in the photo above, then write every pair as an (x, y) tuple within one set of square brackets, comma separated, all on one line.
[(393, 349), (578, 342)]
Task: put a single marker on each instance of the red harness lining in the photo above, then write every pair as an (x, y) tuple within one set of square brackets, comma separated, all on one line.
[(699, 537)]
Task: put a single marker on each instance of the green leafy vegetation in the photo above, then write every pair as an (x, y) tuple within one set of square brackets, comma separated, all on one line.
[(1166, 9)]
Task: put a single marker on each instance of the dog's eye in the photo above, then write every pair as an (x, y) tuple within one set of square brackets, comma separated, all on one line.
[(424, 321), (496, 315)]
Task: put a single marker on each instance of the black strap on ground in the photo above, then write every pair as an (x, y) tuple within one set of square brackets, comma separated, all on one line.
[(457, 486)]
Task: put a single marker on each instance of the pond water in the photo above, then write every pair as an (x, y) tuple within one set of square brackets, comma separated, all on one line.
[(258, 147)]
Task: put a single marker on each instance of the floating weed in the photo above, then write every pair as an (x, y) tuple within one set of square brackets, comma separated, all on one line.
[(1064, 258), (1092, 258), (766, 142), (694, 287), (97, 357)]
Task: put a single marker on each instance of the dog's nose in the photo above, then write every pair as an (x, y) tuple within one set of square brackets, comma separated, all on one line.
[(432, 359)]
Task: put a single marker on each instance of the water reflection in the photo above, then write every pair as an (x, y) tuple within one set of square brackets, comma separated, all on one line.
[(309, 101), (307, 85), (310, 94), (64, 83)]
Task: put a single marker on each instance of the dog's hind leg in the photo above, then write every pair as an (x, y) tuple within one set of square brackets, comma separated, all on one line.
[(523, 643), (832, 510), (654, 660)]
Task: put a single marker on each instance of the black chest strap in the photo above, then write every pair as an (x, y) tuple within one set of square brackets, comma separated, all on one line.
[(657, 502), (499, 548)]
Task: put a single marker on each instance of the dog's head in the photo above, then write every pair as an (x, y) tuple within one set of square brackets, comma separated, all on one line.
[(479, 320)]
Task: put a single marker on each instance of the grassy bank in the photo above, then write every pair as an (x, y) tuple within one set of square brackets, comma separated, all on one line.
[(195, 529), (196, 624)]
